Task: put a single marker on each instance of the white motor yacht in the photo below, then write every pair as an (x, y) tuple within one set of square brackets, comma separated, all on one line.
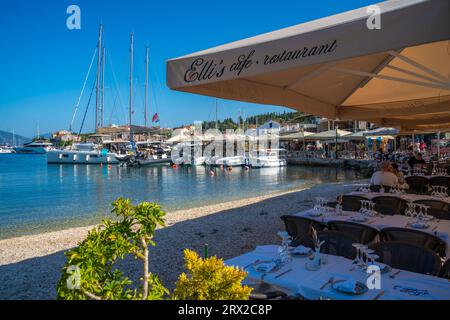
[(35, 147), (6, 149), (82, 153), (268, 159), (235, 161)]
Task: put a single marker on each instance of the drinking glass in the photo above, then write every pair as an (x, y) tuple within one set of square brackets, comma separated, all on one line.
[(363, 250), (357, 246), (372, 258)]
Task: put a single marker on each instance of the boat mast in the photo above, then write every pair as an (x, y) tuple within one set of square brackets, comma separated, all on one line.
[(146, 86), (217, 126), (131, 80), (97, 81), (102, 104)]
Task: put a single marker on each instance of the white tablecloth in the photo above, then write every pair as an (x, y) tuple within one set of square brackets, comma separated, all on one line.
[(440, 229), (407, 197), (307, 283)]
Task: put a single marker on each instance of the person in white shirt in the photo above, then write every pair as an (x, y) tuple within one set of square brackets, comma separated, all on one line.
[(384, 177)]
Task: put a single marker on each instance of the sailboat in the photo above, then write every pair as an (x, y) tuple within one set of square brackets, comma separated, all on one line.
[(147, 156), (88, 153), (6, 148)]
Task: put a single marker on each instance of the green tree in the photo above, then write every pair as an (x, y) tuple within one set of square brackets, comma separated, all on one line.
[(94, 259)]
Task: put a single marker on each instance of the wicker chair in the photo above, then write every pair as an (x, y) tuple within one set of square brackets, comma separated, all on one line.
[(445, 270), (417, 184), (415, 237), (352, 203), (299, 227), (364, 234), (435, 204), (408, 256), (441, 181), (389, 205), (337, 243)]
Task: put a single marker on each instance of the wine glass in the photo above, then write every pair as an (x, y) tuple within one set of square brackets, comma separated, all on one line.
[(372, 258), (357, 247), (283, 249), (363, 249)]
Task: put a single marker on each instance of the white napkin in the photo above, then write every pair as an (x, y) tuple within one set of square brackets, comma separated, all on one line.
[(346, 286), (266, 266), (301, 250), (358, 219), (314, 213), (419, 224)]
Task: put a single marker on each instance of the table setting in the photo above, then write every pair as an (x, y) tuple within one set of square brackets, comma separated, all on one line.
[(339, 278)]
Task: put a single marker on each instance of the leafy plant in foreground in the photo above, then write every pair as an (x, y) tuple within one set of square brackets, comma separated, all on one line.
[(210, 279), (90, 271)]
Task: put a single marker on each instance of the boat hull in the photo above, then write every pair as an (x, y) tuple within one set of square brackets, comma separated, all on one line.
[(25, 150), (153, 162), (80, 157), (230, 162), (272, 163)]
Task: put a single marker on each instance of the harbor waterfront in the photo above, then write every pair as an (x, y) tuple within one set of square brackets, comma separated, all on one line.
[(39, 197), (303, 154)]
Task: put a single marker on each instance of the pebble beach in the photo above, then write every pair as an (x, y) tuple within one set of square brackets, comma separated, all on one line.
[(30, 266)]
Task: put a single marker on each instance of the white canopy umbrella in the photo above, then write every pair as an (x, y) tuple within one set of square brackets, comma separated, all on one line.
[(356, 136), (328, 135), (338, 68), (297, 135), (382, 132)]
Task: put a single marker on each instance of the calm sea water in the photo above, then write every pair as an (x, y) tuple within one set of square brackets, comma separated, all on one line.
[(37, 197)]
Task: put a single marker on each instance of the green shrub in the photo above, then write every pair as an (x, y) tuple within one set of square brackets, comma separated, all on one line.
[(210, 279), (90, 271)]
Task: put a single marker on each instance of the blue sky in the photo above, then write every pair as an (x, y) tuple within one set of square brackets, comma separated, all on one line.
[(43, 64)]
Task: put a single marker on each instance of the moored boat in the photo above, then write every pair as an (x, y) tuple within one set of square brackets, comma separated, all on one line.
[(82, 153), (268, 159), (35, 147)]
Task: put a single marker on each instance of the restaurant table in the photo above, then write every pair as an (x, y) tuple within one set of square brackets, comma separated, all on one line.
[(439, 228), (407, 196), (427, 176), (303, 282)]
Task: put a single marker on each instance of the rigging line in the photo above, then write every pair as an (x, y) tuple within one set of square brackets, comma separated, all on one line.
[(114, 98), (87, 108), (152, 84), (116, 84), (82, 90)]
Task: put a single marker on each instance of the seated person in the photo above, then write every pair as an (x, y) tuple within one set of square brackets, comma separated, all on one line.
[(384, 177), (400, 176), (417, 161)]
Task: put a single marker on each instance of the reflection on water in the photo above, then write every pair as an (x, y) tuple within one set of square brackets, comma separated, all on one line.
[(36, 196)]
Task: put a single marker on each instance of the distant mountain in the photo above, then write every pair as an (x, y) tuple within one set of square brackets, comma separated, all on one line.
[(7, 138)]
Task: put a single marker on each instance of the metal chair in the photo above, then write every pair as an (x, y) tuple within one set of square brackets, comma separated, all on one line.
[(408, 256)]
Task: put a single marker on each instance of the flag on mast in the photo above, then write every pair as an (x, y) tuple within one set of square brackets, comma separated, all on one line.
[(155, 117)]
